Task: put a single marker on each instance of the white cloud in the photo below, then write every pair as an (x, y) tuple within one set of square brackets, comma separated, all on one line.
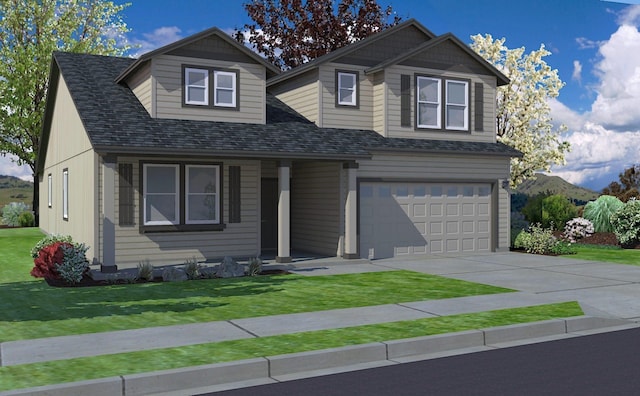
[(577, 71), (585, 43), (156, 39), (9, 168), (630, 15)]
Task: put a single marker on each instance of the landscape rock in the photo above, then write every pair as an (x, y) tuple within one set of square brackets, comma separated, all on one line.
[(172, 274), (229, 268)]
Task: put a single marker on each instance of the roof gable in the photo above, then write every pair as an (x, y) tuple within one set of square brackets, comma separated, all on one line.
[(207, 44), (446, 52), (366, 51)]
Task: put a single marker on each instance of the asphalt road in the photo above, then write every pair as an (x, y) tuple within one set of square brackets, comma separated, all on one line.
[(603, 364)]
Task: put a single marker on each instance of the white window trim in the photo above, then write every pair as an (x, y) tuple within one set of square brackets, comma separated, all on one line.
[(176, 167), (438, 123), (65, 194), (233, 89), (216, 169), (49, 190), (187, 85), (466, 105), (353, 88)]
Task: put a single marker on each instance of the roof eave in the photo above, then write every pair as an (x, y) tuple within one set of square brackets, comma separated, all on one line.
[(54, 77), (510, 154)]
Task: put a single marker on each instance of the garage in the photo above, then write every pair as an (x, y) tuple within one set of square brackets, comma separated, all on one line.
[(398, 219)]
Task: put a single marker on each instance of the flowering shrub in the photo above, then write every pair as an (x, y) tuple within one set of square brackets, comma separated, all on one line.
[(48, 240), (577, 229), (538, 240), (626, 223), (61, 260)]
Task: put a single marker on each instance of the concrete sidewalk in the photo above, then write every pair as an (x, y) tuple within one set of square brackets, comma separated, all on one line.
[(608, 293)]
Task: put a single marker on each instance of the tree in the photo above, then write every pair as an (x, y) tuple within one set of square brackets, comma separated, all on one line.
[(628, 187), (291, 32), (522, 111), (30, 30)]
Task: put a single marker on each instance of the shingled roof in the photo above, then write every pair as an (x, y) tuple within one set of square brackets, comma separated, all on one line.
[(116, 122)]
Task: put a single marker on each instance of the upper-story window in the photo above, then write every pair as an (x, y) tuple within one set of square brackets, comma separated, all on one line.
[(439, 99), (210, 87), (347, 88), (224, 88), (196, 86)]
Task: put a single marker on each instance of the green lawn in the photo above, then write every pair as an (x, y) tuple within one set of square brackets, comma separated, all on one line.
[(36, 374), (609, 254)]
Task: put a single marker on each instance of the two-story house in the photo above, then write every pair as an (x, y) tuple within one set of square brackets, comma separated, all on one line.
[(201, 148)]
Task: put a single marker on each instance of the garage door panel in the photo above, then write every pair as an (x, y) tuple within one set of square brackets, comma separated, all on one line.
[(398, 219)]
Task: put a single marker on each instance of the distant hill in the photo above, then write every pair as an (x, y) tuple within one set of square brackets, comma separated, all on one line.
[(13, 189), (556, 185)]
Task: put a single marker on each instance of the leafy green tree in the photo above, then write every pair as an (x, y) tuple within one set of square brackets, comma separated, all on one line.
[(291, 32), (523, 114), (628, 187), (30, 30), (557, 210)]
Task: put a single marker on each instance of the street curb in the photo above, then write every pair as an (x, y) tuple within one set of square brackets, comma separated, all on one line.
[(299, 363)]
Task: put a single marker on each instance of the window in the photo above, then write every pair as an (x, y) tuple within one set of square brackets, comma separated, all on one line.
[(181, 197), (201, 194), (196, 83), (160, 191), (432, 104), (49, 189), (347, 84), (457, 106), (224, 88), (428, 102), (65, 194)]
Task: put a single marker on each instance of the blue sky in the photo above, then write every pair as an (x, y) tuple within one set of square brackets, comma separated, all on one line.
[(595, 46)]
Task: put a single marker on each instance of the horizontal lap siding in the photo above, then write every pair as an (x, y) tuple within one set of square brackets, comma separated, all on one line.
[(315, 207), (344, 116), (395, 129), (301, 94), (379, 103), (236, 240), (140, 84), (167, 73)]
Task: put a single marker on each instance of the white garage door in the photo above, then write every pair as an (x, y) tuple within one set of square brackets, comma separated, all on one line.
[(422, 218)]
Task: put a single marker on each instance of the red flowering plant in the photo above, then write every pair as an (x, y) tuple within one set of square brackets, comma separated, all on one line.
[(48, 258)]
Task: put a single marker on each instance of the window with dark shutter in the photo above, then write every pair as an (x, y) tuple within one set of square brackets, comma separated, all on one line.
[(405, 100), (234, 194), (125, 195), (479, 107)]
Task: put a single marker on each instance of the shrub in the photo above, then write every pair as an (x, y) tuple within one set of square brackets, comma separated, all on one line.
[(145, 270), (74, 263), (577, 229), (11, 213), (255, 266), (557, 210), (26, 219), (523, 240), (45, 264), (192, 268), (48, 240), (626, 224), (539, 240), (518, 223), (599, 212)]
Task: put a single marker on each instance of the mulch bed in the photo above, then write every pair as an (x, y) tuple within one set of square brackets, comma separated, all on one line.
[(88, 281)]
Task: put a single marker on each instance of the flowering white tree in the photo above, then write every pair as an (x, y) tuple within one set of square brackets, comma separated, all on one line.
[(522, 111)]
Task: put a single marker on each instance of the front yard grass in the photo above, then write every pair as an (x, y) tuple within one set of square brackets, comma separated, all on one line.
[(37, 374), (607, 254), (32, 309)]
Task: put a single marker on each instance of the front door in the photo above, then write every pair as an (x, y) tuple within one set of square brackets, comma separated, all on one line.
[(269, 210)]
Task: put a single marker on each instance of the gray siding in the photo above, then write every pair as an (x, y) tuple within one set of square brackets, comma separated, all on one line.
[(69, 148), (140, 85), (236, 240), (315, 207), (167, 73), (487, 134), (214, 48), (446, 168), (301, 94), (333, 116)]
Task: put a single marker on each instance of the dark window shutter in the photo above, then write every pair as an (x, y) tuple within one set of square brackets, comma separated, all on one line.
[(234, 194), (125, 195), (405, 100), (479, 107)]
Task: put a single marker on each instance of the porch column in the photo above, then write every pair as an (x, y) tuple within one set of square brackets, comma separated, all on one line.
[(108, 211), (351, 213), (284, 212)]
